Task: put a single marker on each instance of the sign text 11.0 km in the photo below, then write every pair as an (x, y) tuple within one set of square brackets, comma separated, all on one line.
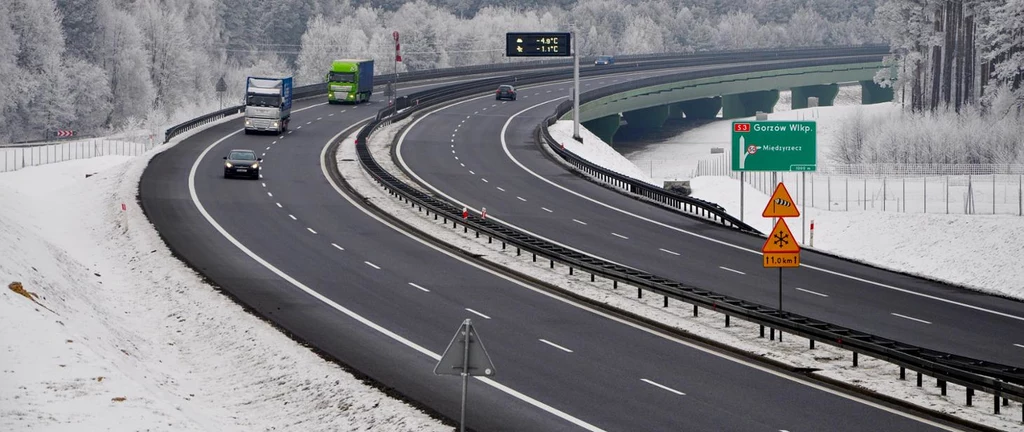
[(774, 146)]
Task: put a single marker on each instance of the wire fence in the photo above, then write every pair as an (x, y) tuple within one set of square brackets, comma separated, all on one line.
[(13, 158), (915, 188)]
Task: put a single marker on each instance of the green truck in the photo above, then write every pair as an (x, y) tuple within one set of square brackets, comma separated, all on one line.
[(350, 80)]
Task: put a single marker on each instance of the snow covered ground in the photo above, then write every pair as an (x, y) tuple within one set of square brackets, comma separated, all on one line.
[(108, 331), (989, 246), (872, 375)]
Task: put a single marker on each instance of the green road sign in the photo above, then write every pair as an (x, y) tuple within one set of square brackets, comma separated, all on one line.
[(774, 146)]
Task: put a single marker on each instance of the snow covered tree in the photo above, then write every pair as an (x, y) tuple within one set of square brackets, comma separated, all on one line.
[(807, 28), (43, 89), (127, 64)]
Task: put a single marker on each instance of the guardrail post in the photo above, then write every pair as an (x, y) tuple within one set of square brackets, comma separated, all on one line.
[(771, 334), (502, 245), (694, 310), (855, 359), (615, 284), (942, 385), (727, 322), (995, 405), (666, 302), (519, 252), (570, 270), (591, 277), (534, 257), (812, 343), (919, 379), (552, 263), (903, 373), (639, 293), (970, 395)]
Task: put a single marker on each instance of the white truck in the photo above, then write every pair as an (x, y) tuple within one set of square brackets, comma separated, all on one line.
[(268, 104)]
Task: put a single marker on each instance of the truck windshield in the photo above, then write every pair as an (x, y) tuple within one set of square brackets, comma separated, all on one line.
[(342, 77), (263, 100)]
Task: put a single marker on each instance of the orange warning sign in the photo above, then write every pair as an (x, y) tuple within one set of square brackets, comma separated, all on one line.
[(781, 204), (780, 240)]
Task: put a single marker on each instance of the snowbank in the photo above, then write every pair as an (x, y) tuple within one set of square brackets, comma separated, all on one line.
[(119, 335), (594, 149)]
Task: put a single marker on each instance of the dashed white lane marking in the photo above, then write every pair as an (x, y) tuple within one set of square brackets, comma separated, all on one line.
[(478, 313), (280, 137), (337, 247), (343, 110), (300, 127), (275, 142), (546, 209), (262, 155), (372, 265), (463, 165), (290, 132), (319, 118), (279, 205), (264, 185), (453, 151), (663, 387), (453, 140), (261, 175), (417, 286), (453, 135), (493, 105), (668, 251), (1018, 345), (812, 292), (731, 270), (556, 345), (311, 230), (466, 117), (309, 122), (293, 217), (501, 189), (331, 115), (911, 318), (476, 112), (270, 194), (485, 180), (620, 236), (579, 221), (521, 198), (471, 172), (268, 148), (456, 158)]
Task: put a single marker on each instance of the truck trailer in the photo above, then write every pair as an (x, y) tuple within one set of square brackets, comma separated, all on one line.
[(350, 80), (268, 104)]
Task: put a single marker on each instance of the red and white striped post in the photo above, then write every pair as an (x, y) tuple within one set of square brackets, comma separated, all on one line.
[(483, 213), (465, 213), (812, 232)]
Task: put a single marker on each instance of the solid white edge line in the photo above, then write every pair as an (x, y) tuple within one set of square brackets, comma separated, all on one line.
[(372, 265), (401, 161), (478, 313), (508, 153), (417, 286), (911, 318), (731, 270), (663, 387), (437, 357), (812, 292), (556, 345), (598, 312), (668, 251)]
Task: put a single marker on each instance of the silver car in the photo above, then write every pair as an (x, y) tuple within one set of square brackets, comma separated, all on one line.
[(241, 162)]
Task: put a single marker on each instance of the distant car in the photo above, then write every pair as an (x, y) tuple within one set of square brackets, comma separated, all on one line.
[(604, 60), (505, 92), (241, 162)]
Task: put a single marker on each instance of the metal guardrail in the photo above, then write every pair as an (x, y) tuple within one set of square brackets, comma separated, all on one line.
[(1002, 381), (623, 63)]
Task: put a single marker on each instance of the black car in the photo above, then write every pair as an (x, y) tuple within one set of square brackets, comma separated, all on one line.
[(505, 92), (240, 162)]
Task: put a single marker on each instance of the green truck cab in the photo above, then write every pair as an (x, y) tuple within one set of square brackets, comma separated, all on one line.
[(350, 80)]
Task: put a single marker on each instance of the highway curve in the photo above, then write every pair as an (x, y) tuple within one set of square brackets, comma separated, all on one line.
[(500, 167), (295, 250)]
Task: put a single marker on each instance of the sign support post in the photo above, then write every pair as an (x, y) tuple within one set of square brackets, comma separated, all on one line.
[(781, 249), (470, 359), (575, 90), (742, 180)]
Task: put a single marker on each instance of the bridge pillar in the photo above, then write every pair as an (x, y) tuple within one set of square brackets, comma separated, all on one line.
[(748, 104), (706, 108), (826, 94), (646, 118), (675, 111), (604, 127), (872, 93)]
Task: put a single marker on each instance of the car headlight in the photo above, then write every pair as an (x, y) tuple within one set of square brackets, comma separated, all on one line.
[(350, 95), (255, 165), (248, 122), (275, 124), (228, 165)]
